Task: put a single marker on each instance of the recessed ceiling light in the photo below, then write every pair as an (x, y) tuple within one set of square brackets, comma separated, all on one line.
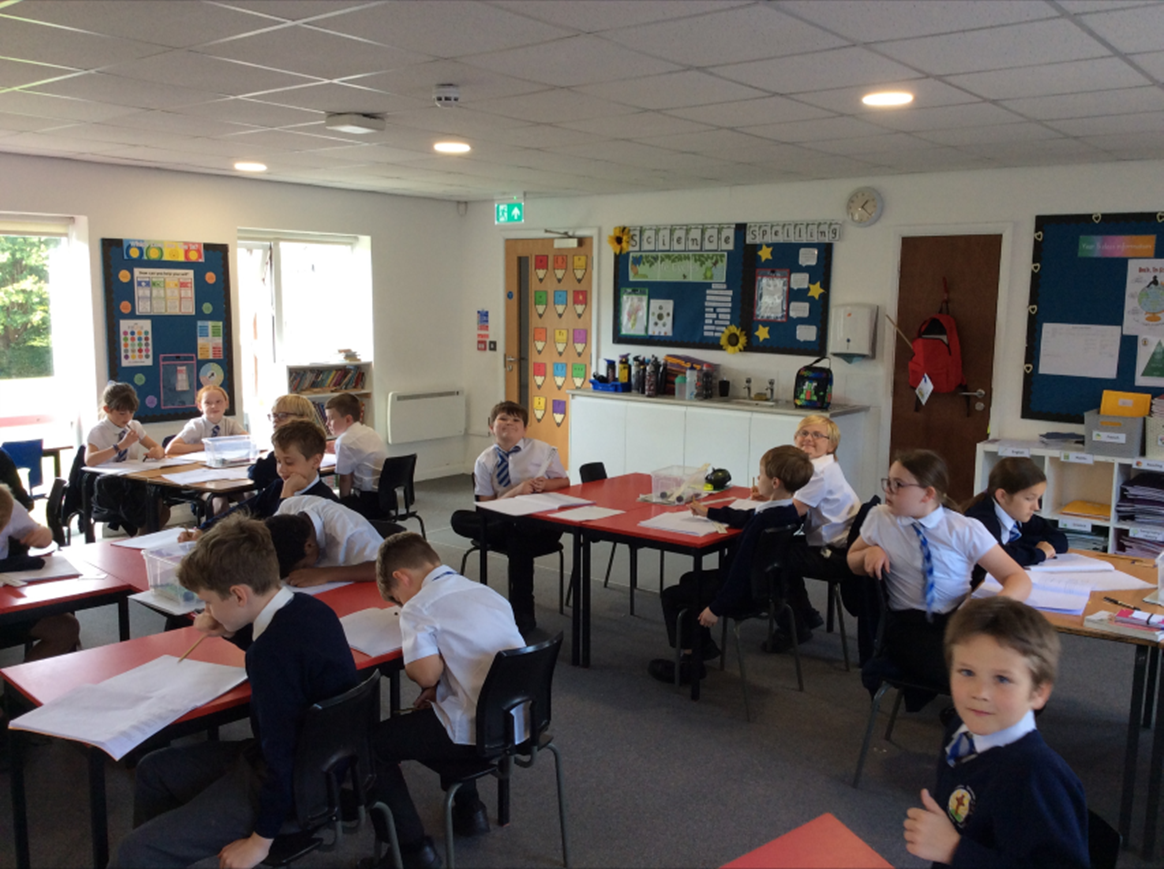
[(888, 98), (244, 166), (452, 147)]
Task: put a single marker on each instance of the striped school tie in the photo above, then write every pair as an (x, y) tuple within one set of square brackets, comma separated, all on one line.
[(961, 747), (1015, 533), (121, 454), (503, 465), (214, 431), (928, 564)]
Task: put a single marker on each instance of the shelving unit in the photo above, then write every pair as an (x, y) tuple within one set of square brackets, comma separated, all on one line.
[(321, 380), (1076, 475)]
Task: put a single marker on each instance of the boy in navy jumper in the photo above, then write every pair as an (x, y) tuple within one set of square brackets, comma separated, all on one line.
[(783, 470), (232, 798), (1003, 797)]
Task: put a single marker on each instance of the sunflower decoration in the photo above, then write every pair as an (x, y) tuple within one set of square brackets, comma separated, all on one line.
[(619, 240), (733, 339)]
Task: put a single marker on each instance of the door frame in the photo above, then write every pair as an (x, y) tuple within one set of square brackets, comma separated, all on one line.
[(1004, 329)]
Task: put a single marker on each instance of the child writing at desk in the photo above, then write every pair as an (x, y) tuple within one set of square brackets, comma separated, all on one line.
[(1003, 796), (213, 402), (118, 438), (1008, 508), (359, 455)]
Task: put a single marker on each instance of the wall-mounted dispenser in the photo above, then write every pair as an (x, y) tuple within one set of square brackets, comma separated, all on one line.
[(852, 330)]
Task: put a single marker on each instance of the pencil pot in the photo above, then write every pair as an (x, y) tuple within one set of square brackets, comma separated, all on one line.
[(162, 568)]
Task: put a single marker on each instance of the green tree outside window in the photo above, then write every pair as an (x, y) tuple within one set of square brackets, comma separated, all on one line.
[(26, 348)]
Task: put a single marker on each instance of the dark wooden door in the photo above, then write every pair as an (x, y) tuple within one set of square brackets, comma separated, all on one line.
[(969, 265)]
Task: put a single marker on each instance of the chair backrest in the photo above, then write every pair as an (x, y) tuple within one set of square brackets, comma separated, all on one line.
[(592, 472), (386, 528), (768, 562), (335, 739), (859, 519), (397, 473), (53, 512), (74, 494), (166, 440), (27, 454), (1103, 842), (517, 678)]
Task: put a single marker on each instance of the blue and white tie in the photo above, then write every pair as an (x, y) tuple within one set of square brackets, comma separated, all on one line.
[(503, 465), (928, 566), (121, 454), (1015, 533), (962, 746), (214, 431)]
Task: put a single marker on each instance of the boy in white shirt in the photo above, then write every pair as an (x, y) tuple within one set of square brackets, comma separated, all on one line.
[(214, 423), (359, 455), (320, 541)]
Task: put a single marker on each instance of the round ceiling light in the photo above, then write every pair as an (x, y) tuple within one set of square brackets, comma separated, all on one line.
[(452, 147), (246, 166), (887, 98)]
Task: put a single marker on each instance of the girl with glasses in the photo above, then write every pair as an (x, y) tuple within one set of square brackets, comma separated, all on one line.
[(285, 409)]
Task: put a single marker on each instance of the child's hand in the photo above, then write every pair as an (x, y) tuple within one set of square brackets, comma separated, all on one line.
[(698, 509), (128, 439), (156, 452), (244, 853), (305, 577), (38, 538), (1047, 548), (538, 484), (209, 625), (189, 534), (708, 619), (876, 562), (425, 698), (294, 484), (330, 448), (929, 833)]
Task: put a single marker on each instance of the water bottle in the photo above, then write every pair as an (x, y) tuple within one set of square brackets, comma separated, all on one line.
[(681, 386)]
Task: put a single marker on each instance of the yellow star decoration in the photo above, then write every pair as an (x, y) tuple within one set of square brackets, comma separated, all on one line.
[(815, 290), (765, 253), (761, 333)]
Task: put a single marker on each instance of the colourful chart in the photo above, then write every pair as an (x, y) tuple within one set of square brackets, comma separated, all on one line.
[(136, 343)]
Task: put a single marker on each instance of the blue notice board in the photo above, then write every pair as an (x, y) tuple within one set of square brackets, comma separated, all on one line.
[(168, 322)]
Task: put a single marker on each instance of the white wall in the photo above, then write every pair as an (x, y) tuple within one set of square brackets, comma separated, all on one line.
[(417, 285), (864, 263)]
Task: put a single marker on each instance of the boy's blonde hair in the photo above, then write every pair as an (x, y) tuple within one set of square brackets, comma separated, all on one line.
[(1011, 624), (211, 387), (831, 429), (304, 435), (7, 503), (294, 404), (404, 551), (119, 396), (789, 465), (236, 551)]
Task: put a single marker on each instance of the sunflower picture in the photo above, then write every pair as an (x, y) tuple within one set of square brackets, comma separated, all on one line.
[(733, 340), (619, 240)]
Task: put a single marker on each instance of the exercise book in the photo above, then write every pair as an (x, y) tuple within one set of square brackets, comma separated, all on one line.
[(587, 514), (55, 567), (316, 589), (131, 466), (681, 522), (206, 475), (1075, 563), (373, 631), (165, 537), (1062, 598)]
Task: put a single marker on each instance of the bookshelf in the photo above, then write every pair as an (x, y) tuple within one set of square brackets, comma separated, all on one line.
[(318, 382)]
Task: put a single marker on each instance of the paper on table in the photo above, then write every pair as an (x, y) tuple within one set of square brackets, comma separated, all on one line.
[(1078, 350), (328, 461), (194, 458), (1116, 580), (165, 604), (524, 505), (558, 499), (587, 514), (745, 504), (373, 631), (165, 537), (1073, 562), (123, 712), (1064, 599), (132, 467), (681, 522), (317, 589), (55, 567), (205, 475)]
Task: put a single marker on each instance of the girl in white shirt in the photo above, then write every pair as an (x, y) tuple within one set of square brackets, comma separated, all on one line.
[(212, 400), (925, 552)]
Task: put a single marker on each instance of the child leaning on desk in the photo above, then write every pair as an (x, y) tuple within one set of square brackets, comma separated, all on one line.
[(1003, 796), (1009, 511), (285, 409), (320, 541), (118, 438), (360, 453), (232, 798), (214, 423)]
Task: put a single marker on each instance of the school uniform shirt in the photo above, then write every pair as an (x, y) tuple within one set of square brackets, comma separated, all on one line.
[(1024, 548), (197, 430), (956, 544), (266, 503), (832, 504), (344, 536), (360, 451), (19, 525), (105, 435), (526, 459), (736, 592), (467, 624)]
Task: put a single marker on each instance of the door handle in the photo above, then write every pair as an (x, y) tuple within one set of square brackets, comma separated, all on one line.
[(978, 393), (510, 359)]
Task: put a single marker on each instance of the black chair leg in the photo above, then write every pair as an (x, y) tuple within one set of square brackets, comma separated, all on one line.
[(561, 582), (393, 843), (423, 533), (465, 560), (679, 644), (829, 615), (795, 647), (609, 565), (723, 645), (450, 856), (893, 715), (873, 708), (561, 805), (841, 625)]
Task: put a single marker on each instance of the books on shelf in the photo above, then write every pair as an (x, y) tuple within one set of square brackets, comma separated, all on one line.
[(1114, 623), (341, 378), (1088, 510)]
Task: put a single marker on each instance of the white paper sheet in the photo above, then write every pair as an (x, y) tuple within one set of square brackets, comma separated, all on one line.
[(132, 467), (199, 457), (524, 505), (55, 567), (316, 589), (1076, 350), (681, 522), (205, 475), (165, 537), (1074, 563), (587, 514), (123, 712), (1062, 599), (165, 604), (328, 461), (745, 504), (373, 631)]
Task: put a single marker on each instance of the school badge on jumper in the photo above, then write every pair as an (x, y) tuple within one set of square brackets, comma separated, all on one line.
[(559, 373), (539, 373), (559, 266), (540, 299), (579, 340), (560, 297), (539, 407), (579, 302), (540, 338), (578, 374), (541, 266), (559, 410), (960, 805), (579, 267), (560, 340)]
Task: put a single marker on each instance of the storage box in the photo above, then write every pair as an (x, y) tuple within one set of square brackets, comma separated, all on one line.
[(1154, 438), (1115, 403), (667, 482), (233, 450), (162, 567), (1119, 436)]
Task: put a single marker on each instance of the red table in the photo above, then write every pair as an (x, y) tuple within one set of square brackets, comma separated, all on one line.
[(38, 600), (823, 843)]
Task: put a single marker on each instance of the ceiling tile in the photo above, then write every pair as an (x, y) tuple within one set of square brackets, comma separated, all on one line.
[(120, 91), (178, 25), (20, 73), (53, 142), (926, 92), (124, 135), (1056, 78), (373, 154), (1127, 146), (748, 33), (451, 28), (1152, 63), (982, 134), (551, 107), (1035, 153), (28, 123), (309, 51), (764, 110), (44, 43), (1129, 30), (936, 160), (1117, 102), (45, 106), (417, 80), (251, 112), (719, 142), (996, 48), (840, 67), (539, 135), (627, 153), (672, 90), (335, 97), (635, 126), (172, 122), (591, 16), (292, 10), (871, 144), (1079, 6), (1146, 122), (454, 123), (202, 72), (578, 60), (282, 140), (863, 21), (812, 164), (807, 131), (945, 117)]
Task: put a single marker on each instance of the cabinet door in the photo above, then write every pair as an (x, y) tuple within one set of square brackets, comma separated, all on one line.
[(720, 438), (654, 437), (596, 434), (768, 430)]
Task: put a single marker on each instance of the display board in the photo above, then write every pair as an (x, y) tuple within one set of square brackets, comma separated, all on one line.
[(168, 322), (724, 286), (1095, 319)]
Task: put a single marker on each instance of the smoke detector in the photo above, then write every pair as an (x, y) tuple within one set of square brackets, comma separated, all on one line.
[(446, 95), (353, 122)]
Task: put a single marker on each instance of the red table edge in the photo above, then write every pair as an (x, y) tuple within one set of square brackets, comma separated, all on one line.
[(823, 842)]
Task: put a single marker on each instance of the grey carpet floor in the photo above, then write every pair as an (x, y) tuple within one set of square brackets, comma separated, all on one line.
[(653, 779)]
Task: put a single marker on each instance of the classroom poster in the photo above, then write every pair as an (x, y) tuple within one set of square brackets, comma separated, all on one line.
[(1150, 361), (136, 343), (1144, 298), (633, 312)]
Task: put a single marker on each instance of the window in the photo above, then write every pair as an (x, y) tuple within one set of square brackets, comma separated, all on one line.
[(26, 346)]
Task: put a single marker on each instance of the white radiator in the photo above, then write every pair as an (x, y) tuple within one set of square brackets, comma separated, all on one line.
[(425, 416)]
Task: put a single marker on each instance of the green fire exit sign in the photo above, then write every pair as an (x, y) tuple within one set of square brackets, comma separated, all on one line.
[(510, 212)]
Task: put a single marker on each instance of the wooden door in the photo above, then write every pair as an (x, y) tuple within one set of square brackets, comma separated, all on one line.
[(548, 305), (968, 264)]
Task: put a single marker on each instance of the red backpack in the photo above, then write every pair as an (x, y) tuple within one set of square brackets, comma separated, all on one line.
[(936, 352)]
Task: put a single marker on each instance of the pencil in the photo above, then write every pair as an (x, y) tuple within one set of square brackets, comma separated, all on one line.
[(186, 654)]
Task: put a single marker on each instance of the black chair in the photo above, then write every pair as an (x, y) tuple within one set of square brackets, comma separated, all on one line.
[(1103, 842), (469, 524), (769, 591), (386, 528), (28, 455), (333, 746), (78, 500), (54, 513), (518, 679), (592, 472), (398, 473)]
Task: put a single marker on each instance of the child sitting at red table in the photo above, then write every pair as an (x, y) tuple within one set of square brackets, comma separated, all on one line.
[(118, 438), (359, 455), (213, 402), (320, 541), (285, 409), (232, 798), (1009, 510), (783, 470), (1003, 796)]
